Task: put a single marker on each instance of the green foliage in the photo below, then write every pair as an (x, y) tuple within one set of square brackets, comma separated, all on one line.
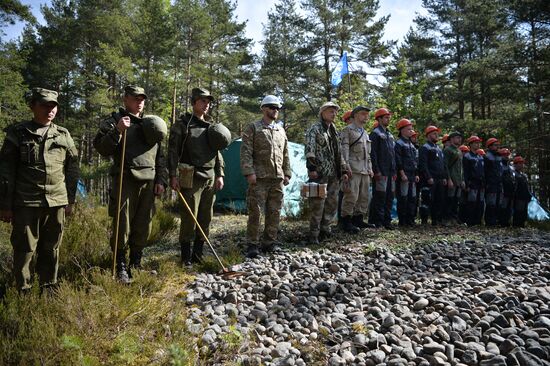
[(163, 222)]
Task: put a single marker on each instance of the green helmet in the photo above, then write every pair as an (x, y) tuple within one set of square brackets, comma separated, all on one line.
[(219, 136), (154, 129)]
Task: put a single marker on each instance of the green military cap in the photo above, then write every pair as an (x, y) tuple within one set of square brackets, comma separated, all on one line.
[(42, 95), (455, 134), (135, 91), (197, 93), (359, 109)]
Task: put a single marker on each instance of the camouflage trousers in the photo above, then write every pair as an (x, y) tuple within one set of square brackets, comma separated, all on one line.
[(323, 210), (36, 230), (137, 207), (356, 202), (266, 196)]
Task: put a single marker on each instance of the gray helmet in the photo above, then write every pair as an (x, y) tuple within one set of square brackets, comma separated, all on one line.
[(154, 129), (219, 136)]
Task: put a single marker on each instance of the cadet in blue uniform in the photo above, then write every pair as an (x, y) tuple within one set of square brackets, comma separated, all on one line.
[(433, 173), (463, 201), (383, 166), (474, 177), (406, 161), (522, 196), (493, 181), (508, 189)]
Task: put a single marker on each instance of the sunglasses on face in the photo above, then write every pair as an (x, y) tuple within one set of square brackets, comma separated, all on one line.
[(273, 107)]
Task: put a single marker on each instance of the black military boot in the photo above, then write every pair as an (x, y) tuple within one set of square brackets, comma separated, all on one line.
[(135, 260), (358, 221), (122, 275), (185, 253), (197, 251), (348, 227)]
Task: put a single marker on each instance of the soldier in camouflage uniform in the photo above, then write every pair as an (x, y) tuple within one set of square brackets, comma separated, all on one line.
[(356, 154), (266, 166), (190, 146), (325, 166), (144, 177), (38, 178), (455, 183)]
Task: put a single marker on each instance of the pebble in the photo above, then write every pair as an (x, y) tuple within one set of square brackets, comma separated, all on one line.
[(447, 303)]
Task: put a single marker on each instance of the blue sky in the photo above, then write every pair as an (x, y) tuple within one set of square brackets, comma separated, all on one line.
[(255, 13)]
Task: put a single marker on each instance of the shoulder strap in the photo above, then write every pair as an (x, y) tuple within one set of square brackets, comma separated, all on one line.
[(359, 138)]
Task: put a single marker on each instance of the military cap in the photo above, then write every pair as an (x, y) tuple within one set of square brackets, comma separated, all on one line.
[(359, 109), (328, 105), (135, 91), (197, 93), (154, 129), (455, 134), (219, 136), (42, 95)]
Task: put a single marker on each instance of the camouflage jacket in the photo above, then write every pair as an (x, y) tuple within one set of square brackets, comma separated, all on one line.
[(37, 170), (453, 162), (322, 150), (356, 149), (188, 144), (264, 151), (141, 161)]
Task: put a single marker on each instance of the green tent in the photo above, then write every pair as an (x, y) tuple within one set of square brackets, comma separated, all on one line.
[(233, 195)]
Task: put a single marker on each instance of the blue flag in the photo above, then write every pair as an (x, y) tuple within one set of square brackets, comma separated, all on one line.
[(340, 70)]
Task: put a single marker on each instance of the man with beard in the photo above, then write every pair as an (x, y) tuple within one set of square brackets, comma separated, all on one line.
[(266, 166)]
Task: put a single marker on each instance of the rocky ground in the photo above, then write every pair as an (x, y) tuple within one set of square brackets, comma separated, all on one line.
[(451, 301)]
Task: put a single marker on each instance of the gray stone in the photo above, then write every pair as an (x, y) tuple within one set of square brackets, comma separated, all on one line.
[(433, 347), (494, 361), (469, 357), (421, 304), (376, 356)]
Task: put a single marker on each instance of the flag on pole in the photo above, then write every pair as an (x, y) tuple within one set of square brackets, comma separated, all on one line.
[(340, 70)]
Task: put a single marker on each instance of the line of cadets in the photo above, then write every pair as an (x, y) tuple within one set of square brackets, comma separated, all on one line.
[(458, 184)]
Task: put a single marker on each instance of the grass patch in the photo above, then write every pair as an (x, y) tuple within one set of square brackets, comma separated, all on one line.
[(99, 322)]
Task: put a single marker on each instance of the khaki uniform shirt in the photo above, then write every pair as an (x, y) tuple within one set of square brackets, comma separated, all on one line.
[(37, 170), (264, 151), (356, 147)]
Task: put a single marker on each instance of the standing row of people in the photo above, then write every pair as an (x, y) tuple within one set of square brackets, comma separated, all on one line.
[(445, 185), (39, 174)]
